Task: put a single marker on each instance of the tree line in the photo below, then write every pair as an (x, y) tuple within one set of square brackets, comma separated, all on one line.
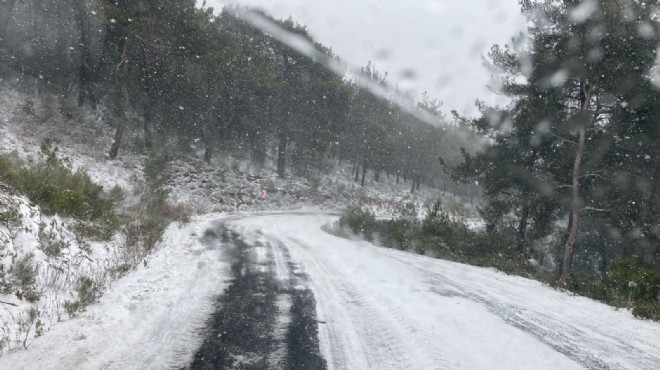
[(172, 71)]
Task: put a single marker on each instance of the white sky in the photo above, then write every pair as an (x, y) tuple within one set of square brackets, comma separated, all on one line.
[(425, 45)]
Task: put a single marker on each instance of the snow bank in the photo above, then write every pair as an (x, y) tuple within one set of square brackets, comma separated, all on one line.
[(150, 319)]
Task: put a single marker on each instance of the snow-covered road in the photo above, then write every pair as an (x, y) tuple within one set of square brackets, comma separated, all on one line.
[(276, 291), (385, 309)]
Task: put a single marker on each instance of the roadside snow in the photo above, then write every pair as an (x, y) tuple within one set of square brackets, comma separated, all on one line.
[(149, 320)]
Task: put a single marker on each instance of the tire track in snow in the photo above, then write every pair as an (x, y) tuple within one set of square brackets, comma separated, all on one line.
[(563, 338), (337, 359), (380, 345), (419, 338)]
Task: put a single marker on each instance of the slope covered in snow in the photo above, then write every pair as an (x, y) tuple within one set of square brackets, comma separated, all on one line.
[(149, 319)]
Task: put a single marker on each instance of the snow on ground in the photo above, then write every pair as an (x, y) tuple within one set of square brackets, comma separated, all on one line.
[(386, 309), (32, 234), (149, 319)]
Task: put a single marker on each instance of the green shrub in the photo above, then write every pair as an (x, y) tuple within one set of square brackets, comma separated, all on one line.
[(26, 320), (72, 308), (50, 244), (398, 233), (24, 276), (359, 221), (5, 283), (86, 290), (157, 171), (57, 189), (10, 217), (443, 236), (116, 195), (87, 293), (8, 170), (103, 229), (632, 282), (647, 310), (586, 284)]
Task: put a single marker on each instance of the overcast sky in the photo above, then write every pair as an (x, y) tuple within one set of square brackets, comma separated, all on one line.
[(425, 45)]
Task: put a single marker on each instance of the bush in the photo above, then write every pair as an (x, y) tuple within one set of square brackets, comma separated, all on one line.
[(632, 282), (24, 276), (399, 233), (10, 217), (26, 320), (72, 308), (50, 245), (103, 229), (87, 292), (647, 310), (359, 221), (8, 170), (57, 189), (157, 171), (586, 284)]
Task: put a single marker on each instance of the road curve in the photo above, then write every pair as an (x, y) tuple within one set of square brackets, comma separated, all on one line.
[(385, 309)]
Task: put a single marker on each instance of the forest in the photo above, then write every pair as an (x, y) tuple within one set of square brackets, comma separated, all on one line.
[(171, 71), (569, 166)]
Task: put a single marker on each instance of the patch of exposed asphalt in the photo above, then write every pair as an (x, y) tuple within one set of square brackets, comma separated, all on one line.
[(241, 332)]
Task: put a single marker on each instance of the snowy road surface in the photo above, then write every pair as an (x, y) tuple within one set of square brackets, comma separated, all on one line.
[(275, 291), (385, 309)]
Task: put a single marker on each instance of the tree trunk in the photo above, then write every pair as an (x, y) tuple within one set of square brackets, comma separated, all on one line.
[(412, 189), (575, 191), (66, 108), (377, 175), (398, 174), (148, 134), (5, 26), (355, 161), (281, 154), (114, 149), (85, 58), (364, 173), (207, 139), (125, 104), (522, 225), (357, 173)]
